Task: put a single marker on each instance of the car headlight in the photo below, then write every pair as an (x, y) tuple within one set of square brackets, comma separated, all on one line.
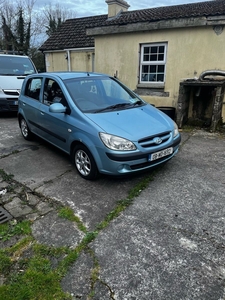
[(116, 143), (175, 131)]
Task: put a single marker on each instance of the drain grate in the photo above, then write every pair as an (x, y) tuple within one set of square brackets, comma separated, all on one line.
[(4, 215)]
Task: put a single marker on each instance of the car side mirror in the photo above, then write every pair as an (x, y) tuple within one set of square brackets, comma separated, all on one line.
[(57, 108)]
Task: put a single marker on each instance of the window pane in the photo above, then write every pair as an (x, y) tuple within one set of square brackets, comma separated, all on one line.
[(152, 77), (146, 58), (153, 57), (161, 57), (145, 69), (153, 69), (161, 49), (160, 77), (154, 49), (146, 50), (161, 68)]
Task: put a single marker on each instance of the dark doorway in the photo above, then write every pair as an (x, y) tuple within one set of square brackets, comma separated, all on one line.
[(200, 103), (202, 106)]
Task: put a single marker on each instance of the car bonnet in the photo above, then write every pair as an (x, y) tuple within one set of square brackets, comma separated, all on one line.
[(134, 123)]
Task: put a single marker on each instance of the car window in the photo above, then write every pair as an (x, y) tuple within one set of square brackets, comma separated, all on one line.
[(33, 88), (95, 94), (114, 90), (54, 94), (16, 65)]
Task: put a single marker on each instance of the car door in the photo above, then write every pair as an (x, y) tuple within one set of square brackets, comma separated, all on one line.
[(31, 102), (55, 127)]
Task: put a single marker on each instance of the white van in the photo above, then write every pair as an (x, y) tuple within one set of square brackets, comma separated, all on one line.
[(13, 70)]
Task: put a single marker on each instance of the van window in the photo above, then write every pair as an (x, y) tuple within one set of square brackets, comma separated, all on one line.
[(16, 65)]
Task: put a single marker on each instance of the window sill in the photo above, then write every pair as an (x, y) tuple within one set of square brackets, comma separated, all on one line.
[(151, 89), (155, 85)]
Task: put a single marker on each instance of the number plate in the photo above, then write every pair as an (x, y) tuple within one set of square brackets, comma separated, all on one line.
[(160, 154)]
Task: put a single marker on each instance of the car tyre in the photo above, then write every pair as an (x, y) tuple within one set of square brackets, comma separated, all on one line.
[(84, 162), (26, 133)]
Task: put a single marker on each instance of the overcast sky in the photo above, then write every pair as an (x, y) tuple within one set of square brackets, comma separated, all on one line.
[(84, 8)]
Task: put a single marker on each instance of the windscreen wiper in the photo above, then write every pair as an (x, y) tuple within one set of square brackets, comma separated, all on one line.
[(138, 102), (112, 107)]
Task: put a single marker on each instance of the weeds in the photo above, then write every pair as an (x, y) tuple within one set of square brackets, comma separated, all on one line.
[(67, 213), (9, 229), (5, 176), (28, 266)]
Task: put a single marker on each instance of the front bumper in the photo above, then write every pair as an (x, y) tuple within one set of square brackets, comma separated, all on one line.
[(118, 164), (10, 104)]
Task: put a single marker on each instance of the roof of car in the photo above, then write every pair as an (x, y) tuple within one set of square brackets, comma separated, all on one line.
[(12, 55), (69, 75)]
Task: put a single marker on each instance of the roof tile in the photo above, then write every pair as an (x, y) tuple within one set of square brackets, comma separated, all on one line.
[(72, 33)]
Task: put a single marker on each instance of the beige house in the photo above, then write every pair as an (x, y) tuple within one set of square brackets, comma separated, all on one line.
[(164, 54)]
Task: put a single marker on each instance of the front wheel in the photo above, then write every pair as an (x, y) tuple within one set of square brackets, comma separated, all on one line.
[(26, 133), (84, 162)]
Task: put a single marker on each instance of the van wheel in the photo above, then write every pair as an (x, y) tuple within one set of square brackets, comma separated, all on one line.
[(84, 162), (26, 133)]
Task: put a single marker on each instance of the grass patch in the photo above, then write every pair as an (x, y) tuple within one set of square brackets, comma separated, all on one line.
[(123, 204), (35, 277), (9, 229), (38, 282), (34, 271), (42, 250), (5, 263), (5, 176), (67, 213)]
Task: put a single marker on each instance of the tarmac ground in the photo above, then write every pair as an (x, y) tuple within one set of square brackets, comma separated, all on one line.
[(169, 243)]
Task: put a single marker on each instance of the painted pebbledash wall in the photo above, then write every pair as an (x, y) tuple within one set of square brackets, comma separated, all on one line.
[(70, 60), (190, 52)]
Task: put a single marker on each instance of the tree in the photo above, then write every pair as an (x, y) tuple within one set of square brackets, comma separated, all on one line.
[(16, 27), (55, 16), (20, 30), (53, 25)]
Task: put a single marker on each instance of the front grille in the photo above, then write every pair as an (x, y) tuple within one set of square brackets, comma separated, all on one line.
[(149, 142)]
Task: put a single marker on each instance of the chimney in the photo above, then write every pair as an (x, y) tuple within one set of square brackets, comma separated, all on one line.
[(116, 6)]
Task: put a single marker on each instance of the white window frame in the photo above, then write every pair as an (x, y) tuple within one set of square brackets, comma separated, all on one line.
[(152, 63)]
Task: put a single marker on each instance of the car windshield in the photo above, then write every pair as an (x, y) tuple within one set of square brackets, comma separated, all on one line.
[(101, 94), (15, 65)]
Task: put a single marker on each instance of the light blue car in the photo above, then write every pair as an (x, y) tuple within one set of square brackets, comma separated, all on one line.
[(104, 126)]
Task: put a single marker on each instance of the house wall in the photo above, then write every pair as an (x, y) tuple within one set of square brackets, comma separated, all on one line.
[(78, 61), (55, 61), (190, 52), (81, 61)]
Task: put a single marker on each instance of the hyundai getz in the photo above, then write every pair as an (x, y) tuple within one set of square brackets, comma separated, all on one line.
[(101, 123)]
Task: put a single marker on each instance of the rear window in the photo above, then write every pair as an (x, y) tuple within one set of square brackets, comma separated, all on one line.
[(15, 65)]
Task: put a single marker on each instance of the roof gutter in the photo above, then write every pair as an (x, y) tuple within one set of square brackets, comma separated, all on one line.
[(157, 25), (69, 49)]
